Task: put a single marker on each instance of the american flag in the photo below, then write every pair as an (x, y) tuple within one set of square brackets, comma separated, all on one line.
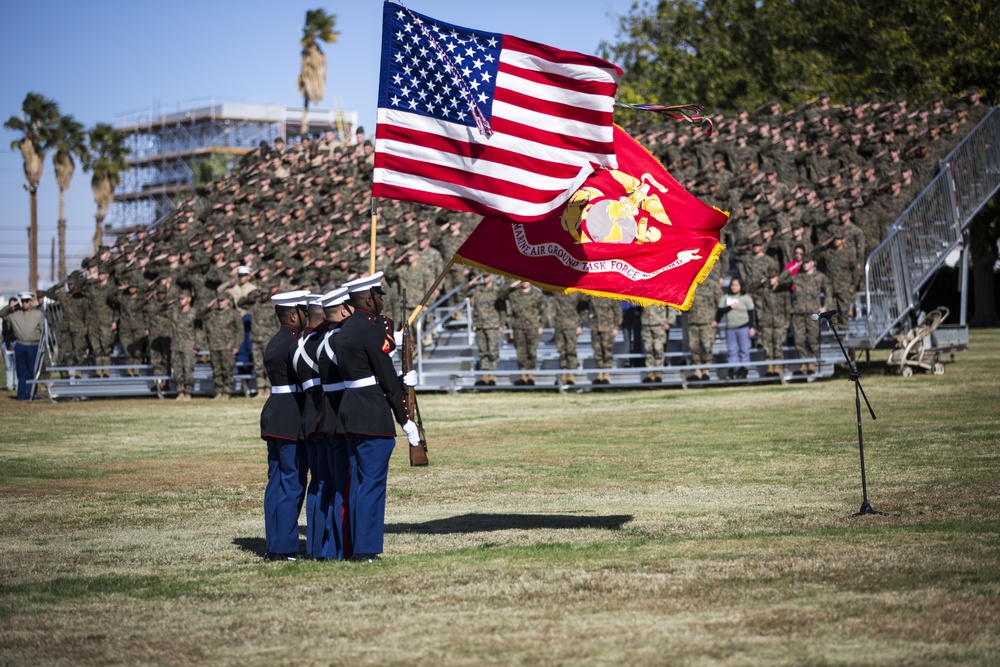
[(487, 123)]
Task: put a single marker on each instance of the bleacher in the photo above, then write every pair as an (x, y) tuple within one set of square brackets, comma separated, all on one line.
[(120, 380), (449, 364)]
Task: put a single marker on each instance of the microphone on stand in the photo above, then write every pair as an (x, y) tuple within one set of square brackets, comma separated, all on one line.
[(825, 315)]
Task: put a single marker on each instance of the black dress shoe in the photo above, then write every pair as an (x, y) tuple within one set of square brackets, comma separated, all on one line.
[(281, 557)]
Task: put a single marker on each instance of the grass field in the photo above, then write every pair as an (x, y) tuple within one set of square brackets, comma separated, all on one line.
[(701, 527)]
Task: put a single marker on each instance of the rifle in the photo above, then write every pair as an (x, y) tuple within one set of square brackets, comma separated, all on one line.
[(418, 454)]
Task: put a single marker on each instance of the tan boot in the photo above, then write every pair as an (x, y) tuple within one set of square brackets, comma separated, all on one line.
[(812, 368)]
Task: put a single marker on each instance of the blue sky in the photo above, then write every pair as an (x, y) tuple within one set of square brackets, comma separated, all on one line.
[(104, 58)]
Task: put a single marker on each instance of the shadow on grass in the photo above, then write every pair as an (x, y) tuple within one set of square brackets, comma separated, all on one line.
[(254, 545), (483, 523), (475, 523)]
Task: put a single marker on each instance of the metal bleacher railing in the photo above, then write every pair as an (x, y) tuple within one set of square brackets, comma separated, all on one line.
[(933, 227)]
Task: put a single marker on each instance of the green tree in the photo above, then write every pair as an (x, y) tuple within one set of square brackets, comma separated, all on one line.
[(312, 78), (68, 139), (107, 160), (38, 116), (731, 53), (210, 168)]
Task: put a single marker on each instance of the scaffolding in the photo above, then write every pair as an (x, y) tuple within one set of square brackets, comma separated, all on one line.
[(164, 149)]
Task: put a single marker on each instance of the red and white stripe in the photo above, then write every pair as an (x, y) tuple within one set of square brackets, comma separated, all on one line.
[(552, 122)]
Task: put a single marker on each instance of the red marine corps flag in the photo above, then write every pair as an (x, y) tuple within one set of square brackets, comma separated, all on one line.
[(631, 233), (487, 123)]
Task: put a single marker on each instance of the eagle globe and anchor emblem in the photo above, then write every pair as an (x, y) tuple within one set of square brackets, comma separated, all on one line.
[(595, 216)]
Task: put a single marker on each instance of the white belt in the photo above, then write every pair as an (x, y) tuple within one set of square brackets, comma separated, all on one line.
[(285, 389), (337, 386), (309, 384), (369, 381)]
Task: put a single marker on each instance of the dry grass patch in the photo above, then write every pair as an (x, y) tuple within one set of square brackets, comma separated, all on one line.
[(633, 527)]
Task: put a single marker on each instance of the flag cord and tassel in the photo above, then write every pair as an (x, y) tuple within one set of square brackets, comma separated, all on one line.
[(371, 254), (427, 297), (481, 121), (692, 113)]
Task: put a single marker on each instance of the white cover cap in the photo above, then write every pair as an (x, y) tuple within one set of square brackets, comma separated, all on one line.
[(244, 270), (335, 297), (366, 283), (296, 298)]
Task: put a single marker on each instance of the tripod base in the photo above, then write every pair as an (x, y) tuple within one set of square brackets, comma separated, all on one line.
[(867, 509)]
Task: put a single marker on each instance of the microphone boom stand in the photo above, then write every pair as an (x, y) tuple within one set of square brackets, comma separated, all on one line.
[(859, 392)]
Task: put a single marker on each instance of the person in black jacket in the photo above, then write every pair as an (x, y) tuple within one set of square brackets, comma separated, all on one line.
[(373, 396), (281, 428)]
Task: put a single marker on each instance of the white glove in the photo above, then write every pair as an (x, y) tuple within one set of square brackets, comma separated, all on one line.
[(410, 378), (398, 337), (412, 434)]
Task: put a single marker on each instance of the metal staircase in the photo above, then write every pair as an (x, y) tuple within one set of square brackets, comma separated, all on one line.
[(930, 230)]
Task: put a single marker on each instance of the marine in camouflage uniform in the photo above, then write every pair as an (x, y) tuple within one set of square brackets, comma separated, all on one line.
[(606, 317), (101, 320), (224, 331), (486, 298), (701, 333), (73, 346), (132, 325), (158, 321), (567, 324), (842, 270), (771, 308), (807, 285), (856, 243), (261, 324), (182, 346), (527, 308), (656, 322)]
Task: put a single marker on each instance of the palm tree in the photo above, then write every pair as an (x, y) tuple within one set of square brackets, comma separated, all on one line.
[(312, 79), (68, 139), (108, 159), (38, 115)]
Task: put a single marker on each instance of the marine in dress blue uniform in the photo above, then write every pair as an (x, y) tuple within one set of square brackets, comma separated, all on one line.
[(372, 399), (281, 428), (311, 388), (333, 460)]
